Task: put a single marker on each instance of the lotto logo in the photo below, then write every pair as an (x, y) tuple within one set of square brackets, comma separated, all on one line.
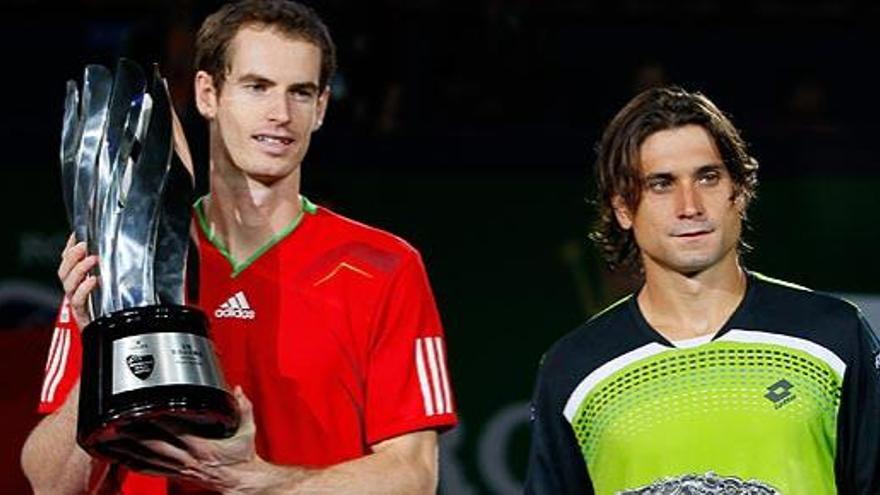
[(780, 393), (236, 307)]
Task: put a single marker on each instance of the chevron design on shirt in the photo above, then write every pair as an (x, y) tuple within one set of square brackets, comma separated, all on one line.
[(338, 268)]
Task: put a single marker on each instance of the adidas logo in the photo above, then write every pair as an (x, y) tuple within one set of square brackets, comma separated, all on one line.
[(236, 307)]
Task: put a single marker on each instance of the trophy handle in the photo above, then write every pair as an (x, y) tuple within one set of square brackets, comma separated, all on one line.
[(172, 239), (97, 85), (139, 218), (129, 111)]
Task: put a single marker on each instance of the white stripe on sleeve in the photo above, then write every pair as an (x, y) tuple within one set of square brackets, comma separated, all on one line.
[(441, 359), (53, 378), (52, 361), (435, 375), (423, 379), (53, 348)]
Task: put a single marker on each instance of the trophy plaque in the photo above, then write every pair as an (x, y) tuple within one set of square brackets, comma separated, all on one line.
[(148, 367)]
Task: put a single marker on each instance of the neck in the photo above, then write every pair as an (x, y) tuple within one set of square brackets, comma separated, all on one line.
[(245, 213), (681, 306)]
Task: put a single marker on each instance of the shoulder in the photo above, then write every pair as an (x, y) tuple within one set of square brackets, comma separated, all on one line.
[(337, 240), (353, 230), (604, 337), (601, 328), (819, 317), (801, 303)]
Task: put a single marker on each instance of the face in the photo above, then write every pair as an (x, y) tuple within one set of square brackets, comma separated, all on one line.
[(687, 219), (262, 119)]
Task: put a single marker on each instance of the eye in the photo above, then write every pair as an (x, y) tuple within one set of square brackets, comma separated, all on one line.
[(256, 87), (302, 94), (659, 184), (710, 178)]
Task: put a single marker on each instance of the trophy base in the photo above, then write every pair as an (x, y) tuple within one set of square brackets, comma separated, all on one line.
[(150, 373)]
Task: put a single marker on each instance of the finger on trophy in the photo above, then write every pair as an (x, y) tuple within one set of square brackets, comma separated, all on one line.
[(79, 300), (134, 455), (73, 274), (71, 241), (67, 252), (159, 429), (75, 262), (71, 131)]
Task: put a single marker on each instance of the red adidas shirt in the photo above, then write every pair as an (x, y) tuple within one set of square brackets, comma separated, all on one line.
[(331, 330)]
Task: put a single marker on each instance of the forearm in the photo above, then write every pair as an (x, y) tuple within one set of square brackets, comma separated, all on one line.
[(408, 469), (374, 474), (51, 458)]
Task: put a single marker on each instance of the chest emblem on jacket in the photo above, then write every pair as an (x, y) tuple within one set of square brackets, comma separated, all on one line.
[(236, 306)]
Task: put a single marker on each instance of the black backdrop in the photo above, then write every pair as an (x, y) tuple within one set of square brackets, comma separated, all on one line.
[(468, 128)]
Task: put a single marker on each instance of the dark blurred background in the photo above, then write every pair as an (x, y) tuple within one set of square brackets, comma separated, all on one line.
[(468, 128)]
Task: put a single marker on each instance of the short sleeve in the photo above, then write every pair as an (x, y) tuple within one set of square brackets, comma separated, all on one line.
[(555, 466), (858, 443), (408, 386), (63, 362)]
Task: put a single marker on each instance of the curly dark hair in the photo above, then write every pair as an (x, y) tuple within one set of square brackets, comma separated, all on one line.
[(290, 18), (618, 171)]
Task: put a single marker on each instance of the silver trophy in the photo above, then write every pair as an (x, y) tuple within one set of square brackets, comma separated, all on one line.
[(149, 369)]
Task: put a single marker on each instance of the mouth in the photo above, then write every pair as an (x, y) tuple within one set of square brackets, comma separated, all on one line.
[(273, 139), (693, 234)]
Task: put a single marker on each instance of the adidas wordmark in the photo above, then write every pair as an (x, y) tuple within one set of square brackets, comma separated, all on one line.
[(236, 307)]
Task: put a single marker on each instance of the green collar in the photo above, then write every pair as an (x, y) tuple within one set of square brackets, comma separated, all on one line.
[(238, 267)]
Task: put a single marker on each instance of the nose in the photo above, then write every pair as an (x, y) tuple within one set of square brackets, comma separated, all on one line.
[(279, 109), (690, 202)]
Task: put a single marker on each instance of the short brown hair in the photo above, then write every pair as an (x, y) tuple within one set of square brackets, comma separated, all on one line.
[(290, 18), (618, 168)]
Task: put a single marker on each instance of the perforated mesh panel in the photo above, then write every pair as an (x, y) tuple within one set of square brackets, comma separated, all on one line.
[(701, 382)]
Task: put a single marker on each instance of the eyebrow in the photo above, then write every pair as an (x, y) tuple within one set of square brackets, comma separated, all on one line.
[(256, 78), (306, 85), (711, 167)]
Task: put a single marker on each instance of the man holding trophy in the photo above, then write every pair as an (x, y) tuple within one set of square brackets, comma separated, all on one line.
[(325, 328)]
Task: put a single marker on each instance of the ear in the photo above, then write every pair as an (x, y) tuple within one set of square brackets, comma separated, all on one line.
[(321, 108), (739, 202), (206, 95), (622, 213)]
